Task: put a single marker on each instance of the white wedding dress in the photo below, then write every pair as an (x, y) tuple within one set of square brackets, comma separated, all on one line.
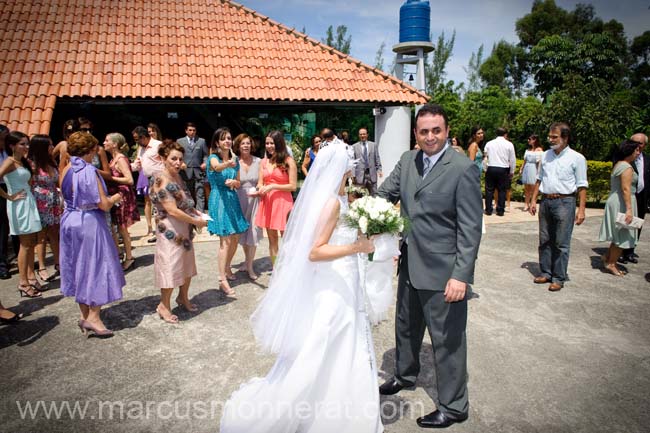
[(330, 385)]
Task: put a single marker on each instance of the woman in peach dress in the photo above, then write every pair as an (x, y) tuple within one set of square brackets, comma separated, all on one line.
[(277, 180)]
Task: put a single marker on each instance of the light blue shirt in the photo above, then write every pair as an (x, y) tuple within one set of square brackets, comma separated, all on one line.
[(563, 173)]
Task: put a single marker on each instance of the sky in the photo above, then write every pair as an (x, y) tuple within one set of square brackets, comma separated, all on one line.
[(476, 22)]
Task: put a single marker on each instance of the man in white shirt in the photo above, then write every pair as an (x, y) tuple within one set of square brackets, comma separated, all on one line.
[(501, 160), (642, 168), (562, 176)]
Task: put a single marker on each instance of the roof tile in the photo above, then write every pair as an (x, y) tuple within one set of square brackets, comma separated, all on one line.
[(230, 52)]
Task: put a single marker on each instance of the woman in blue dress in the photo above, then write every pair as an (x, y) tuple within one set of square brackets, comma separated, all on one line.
[(474, 148), (24, 220), (530, 168), (227, 218)]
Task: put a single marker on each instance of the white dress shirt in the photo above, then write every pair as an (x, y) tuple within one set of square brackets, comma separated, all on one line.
[(501, 153), (639, 169)]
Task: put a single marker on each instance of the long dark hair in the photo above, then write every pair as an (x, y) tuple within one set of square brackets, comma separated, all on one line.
[(472, 137), (39, 151), (279, 157), (219, 134), (536, 142), (11, 140)]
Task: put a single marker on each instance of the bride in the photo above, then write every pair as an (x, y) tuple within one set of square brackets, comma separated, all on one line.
[(313, 318)]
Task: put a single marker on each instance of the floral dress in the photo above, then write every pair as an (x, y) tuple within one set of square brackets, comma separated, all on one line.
[(48, 196), (174, 260)]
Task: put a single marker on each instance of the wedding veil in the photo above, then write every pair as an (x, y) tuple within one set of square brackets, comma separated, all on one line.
[(283, 317)]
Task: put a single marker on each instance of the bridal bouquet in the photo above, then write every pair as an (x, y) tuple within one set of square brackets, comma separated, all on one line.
[(376, 216)]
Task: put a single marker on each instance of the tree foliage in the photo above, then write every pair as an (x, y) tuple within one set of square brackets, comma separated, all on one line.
[(435, 71), (340, 41), (379, 57)]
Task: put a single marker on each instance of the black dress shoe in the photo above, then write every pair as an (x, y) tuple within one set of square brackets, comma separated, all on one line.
[(630, 258), (437, 419), (622, 260), (635, 255), (392, 387), (5, 275), (487, 213)]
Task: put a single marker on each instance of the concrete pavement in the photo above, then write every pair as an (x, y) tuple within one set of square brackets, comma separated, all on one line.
[(573, 361)]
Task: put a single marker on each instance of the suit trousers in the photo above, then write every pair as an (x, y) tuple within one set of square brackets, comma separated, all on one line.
[(196, 187), (556, 219), (369, 184), (496, 178), (446, 323)]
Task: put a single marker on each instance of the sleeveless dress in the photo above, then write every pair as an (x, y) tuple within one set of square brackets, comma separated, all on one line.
[(478, 161), (127, 212), (331, 384), (174, 259), (47, 195), (223, 204), (249, 204), (274, 205), (23, 214), (621, 237), (90, 265), (529, 173)]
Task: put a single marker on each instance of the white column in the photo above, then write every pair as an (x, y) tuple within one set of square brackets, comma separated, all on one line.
[(392, 135)]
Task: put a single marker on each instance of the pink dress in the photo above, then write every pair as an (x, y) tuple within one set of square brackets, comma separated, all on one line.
[(275, 206), (174, 259)]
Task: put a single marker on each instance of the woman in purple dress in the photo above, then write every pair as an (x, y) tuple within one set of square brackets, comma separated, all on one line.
[(90, 266)]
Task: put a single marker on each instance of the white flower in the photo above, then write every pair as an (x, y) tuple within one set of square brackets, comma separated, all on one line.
[(400, 227), (363, 224)]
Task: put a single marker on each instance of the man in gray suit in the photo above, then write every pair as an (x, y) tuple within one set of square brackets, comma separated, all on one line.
[(369, 165), (440, 194), (196, 155)]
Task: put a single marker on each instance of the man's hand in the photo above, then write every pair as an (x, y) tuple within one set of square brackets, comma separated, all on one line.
[(380, 174), (532, 209), (580, 217), (455, 290), (203, 167)]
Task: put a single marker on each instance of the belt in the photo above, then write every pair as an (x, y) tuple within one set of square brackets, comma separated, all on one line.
[(554, 196)]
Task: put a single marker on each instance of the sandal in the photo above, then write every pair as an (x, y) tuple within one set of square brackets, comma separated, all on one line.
[(28, 291), (128, 264), (225, 288), (192, 308), (39, 273), (169, 317), (35, 284), (57, 272)]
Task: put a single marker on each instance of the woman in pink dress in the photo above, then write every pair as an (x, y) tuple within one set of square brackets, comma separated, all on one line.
[(126, 214), (277, 180), (174, 212)]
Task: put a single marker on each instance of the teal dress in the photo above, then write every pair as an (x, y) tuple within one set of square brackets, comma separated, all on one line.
[(223, 204), (478, 161), (23, 214), (609, 231)]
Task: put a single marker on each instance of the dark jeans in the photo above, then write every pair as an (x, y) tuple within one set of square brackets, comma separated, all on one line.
[(556, 219), (496, 177)]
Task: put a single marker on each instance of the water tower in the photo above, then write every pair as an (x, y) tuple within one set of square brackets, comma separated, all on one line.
[(414, 41), (393, 124)]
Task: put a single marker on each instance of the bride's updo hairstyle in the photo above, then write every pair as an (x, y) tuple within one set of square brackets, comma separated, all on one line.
[(81, 143), (284, 316), (167, 146)]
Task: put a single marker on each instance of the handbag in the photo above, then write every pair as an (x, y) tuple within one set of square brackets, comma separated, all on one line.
[(635, 224)]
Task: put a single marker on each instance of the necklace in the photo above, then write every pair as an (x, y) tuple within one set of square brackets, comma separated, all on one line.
[(20, 164)]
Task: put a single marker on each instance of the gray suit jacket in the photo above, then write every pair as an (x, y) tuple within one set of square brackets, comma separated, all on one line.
[(194, 156), (373, 161), (445, 214)]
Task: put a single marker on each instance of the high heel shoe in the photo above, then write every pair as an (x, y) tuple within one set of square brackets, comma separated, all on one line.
[(13, 320), (35, 284), (80, 324), (127, 267), (171, 318), (57, 273), (226, 289), (192, 308), (103, 333), (40, 275), (28, 291)]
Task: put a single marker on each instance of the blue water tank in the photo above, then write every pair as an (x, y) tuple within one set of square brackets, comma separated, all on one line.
[(415, 21)]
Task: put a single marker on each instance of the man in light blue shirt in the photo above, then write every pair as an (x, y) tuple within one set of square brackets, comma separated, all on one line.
[(562, 177)]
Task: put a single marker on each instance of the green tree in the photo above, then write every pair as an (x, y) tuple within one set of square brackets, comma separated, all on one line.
[(435, 71), (472, 70), (379, 57), (505, 67), (341, 41)]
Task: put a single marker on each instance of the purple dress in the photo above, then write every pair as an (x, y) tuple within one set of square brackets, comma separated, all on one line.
[(90, 266)]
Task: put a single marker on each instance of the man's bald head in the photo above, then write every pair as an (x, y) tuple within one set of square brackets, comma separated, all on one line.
[(640, 137)]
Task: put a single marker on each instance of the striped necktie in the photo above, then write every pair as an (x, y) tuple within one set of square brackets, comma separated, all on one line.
[(427, 167)]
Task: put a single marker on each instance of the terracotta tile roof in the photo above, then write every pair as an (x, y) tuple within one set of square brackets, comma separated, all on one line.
[(145, 49)]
